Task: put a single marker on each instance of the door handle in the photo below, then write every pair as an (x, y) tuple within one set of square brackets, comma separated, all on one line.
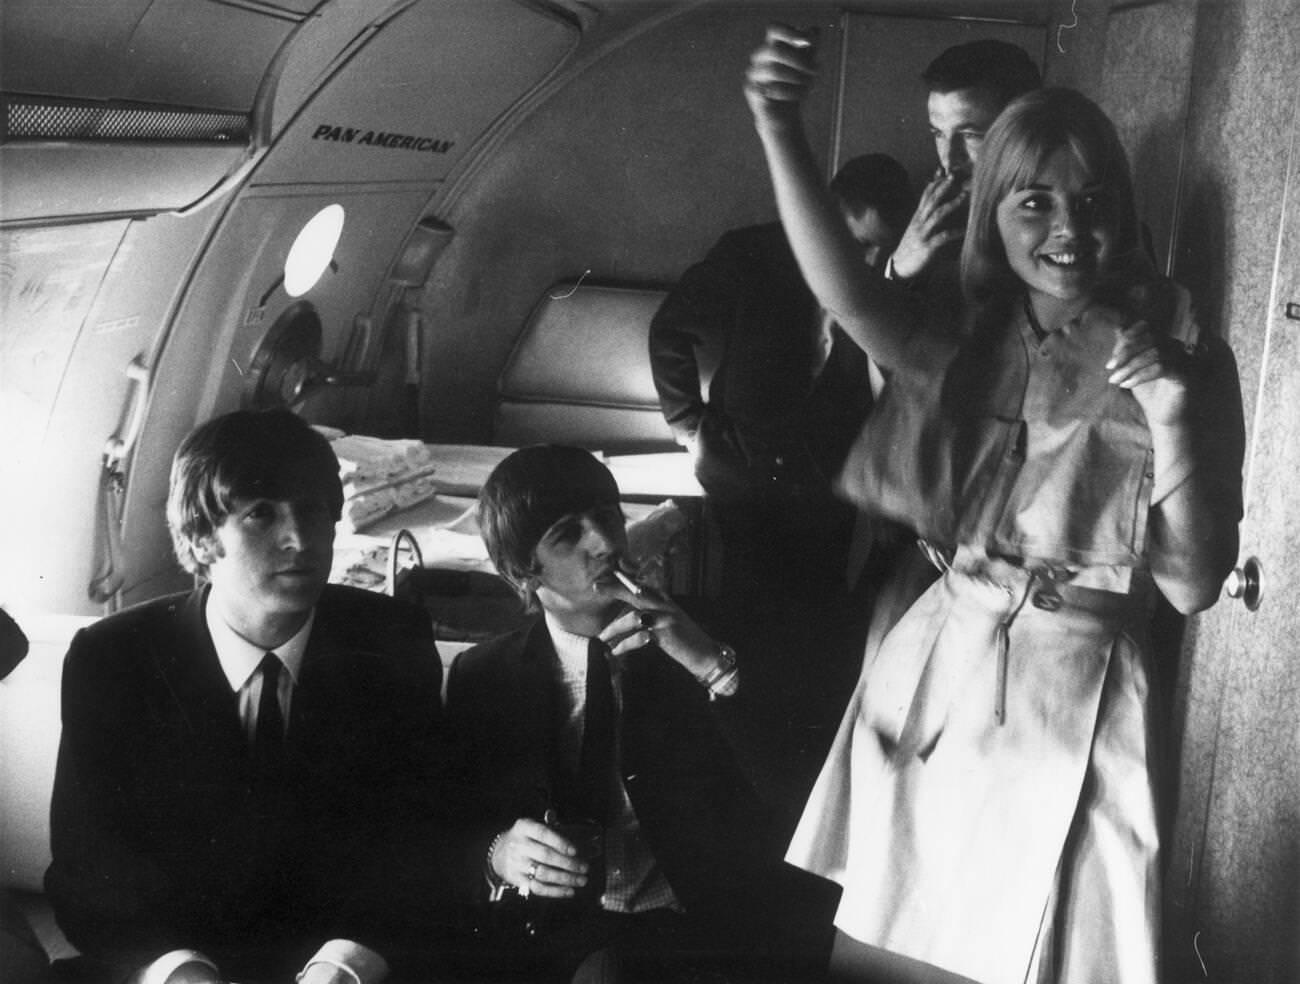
[(120, 444), (1246, 583), (109, 575)]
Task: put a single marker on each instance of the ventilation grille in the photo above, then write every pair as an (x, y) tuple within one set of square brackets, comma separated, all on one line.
[(28, 118)]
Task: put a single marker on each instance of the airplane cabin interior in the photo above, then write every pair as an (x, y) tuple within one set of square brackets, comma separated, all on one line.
[(439, 230)]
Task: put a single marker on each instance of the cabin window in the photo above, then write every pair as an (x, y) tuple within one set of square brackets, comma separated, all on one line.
[(313, 250)]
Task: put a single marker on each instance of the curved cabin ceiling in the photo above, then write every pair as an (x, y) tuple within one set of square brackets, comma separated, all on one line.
[(114, 88), (146, 106)]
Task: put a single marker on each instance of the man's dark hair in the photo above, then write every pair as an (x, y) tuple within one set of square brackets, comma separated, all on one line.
[(1000, 66), (876, 181), (528, 492), (247, 454)]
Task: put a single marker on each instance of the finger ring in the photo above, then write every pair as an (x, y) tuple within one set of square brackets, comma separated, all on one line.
[(646, 620), (532, 871)]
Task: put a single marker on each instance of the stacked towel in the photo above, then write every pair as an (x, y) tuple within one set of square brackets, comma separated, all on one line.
[(365, 461), (381, 476)]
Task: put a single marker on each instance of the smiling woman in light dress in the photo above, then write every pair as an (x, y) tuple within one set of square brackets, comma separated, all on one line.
[(1070, 445)]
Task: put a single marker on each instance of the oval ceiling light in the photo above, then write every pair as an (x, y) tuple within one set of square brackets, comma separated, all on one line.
[(312, 250)]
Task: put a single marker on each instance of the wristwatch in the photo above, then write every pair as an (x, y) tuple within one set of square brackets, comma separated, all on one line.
[(724, 679)]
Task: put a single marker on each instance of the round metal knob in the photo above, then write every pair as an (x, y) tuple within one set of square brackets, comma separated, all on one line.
[(1246, 583)]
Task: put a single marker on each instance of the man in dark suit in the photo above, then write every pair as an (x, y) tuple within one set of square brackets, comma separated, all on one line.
[(790, 394), (248, 775), (790, 391), (614, 823)]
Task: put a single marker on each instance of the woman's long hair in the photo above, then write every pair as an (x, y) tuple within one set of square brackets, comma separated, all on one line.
[(1028, 132)]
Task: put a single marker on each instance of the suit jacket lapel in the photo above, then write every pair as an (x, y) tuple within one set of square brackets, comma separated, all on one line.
[(537, 669), (188, 665), (324, 676)]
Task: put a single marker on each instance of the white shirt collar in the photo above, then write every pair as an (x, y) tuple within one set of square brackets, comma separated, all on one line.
[(239, 658)]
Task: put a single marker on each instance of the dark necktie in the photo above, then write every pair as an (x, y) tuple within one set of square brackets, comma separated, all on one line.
[(268, 740), (596, 760)]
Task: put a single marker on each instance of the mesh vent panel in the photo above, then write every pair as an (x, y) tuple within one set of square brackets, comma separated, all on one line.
[(34, 119)]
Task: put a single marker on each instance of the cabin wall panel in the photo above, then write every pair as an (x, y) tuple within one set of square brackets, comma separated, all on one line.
[(409, 105), (72, 322), (1144, 89), (48, 284), (627, 174), (1235, 861)]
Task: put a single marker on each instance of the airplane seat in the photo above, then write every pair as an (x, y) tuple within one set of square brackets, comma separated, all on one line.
[(580, 373), (29, 734)]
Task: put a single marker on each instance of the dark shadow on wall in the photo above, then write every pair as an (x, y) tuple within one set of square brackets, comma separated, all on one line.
[(1201, 265), (1201, 268), (1155, 171), (1202, 252)]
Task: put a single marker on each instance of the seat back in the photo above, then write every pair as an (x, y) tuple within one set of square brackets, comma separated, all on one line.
[(30, 728), (580, 373)]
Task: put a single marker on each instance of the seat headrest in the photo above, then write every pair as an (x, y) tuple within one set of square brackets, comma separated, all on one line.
[(585, 344)]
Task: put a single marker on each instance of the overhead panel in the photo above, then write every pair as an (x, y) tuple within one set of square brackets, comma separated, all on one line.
[(46, 181), (410, 103), (192, 53), (66, 49), (128, 108), (321, 45), (202, 54)]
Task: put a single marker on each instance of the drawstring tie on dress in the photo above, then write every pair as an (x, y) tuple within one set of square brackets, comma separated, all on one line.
[(1003, 637)]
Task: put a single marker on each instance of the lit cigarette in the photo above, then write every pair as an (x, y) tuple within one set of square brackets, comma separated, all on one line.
[(800, 43), (628, 583)]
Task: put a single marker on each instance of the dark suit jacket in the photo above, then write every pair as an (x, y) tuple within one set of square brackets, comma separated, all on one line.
[(767, 420), (717, 845), (162, 839)]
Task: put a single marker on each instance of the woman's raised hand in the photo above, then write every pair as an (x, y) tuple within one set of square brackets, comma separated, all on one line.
[(781, 73), (1154, 368)]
